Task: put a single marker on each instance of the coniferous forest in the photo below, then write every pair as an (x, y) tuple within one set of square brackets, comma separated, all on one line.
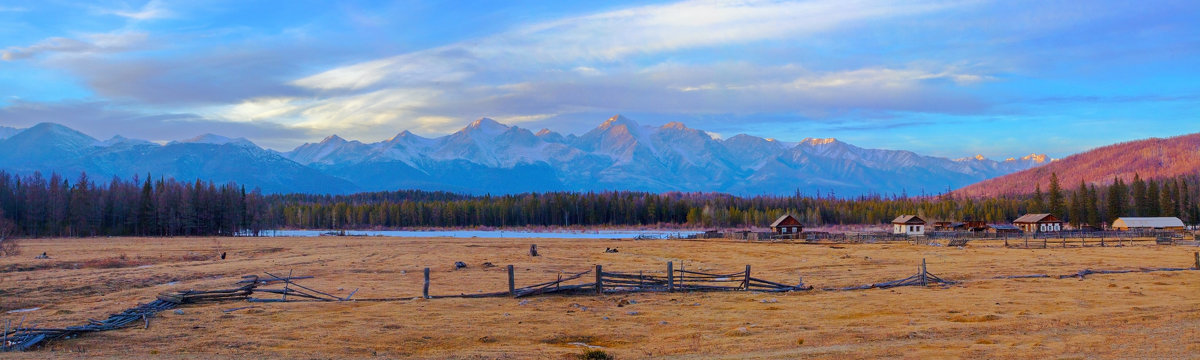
[(39, 206)]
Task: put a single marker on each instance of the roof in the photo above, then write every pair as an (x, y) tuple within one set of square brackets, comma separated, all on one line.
[(908, 219), (1036, 218), (1149, 222), (782, 218), (1003, 227)]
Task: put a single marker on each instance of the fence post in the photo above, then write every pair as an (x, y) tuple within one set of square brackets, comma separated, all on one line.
[(599, 281), (670, 276), (746, 283), (1044, 240), (1197, 254), (512, 282), (425, 290), (923, 272)]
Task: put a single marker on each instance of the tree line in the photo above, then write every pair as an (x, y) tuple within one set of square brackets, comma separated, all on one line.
[(36, 206)]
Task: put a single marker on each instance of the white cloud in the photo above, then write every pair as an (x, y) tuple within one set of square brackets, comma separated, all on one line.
[(88, 43), (612, 36), (153, 9)]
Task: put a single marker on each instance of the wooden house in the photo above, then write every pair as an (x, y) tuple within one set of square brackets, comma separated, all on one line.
[(976, 226), (1148, 223), (787, 224), (908, 225), (1035, 223), (943, 226)]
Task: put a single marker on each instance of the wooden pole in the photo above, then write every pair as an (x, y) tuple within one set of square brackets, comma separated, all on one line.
[(512, 282), (746, 282), (7, 323), (923, 282), (285, 285), (670, 276), (599, 281), (1197, 254), (425, 290), (533, 250), (1026, 242), (1044, 242)]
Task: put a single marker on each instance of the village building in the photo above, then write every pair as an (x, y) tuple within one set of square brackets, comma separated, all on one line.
[(1148, 223), (908, 225), (973, 225), (787, 224), (1035, 223), (1003, 229)]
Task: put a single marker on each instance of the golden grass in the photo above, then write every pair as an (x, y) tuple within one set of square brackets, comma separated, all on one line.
[(1107, 316)]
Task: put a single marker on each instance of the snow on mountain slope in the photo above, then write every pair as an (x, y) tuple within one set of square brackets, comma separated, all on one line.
[(490, 157)]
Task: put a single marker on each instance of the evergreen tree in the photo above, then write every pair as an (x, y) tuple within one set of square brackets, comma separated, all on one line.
[(1141, 205), (1057, 206), (1039, 203), (1153, 206)]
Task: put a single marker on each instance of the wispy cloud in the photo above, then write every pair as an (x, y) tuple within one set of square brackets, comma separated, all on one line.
[(598, 62), (153, 9), (615, 35), (86, 44)]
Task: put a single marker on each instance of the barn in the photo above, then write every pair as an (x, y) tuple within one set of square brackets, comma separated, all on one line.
[(787, 224), (908, 225), (1035, 223), (1148, 223)]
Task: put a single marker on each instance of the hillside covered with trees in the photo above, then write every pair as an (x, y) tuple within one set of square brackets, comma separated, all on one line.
[(1152, 158)]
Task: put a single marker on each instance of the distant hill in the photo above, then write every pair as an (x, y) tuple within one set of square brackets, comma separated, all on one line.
[(1152, 158), (487, 157)]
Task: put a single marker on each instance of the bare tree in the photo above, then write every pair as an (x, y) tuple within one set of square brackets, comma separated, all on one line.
[(8, 244)]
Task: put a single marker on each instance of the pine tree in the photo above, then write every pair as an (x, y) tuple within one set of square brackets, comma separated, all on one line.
[(1141, 206), (1093, 201), (1078, 210), (1039, 202), (1153, 206), (1116, 200), (1057, 206)]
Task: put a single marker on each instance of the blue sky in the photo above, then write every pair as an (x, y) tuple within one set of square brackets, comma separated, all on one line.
[(948, 78)]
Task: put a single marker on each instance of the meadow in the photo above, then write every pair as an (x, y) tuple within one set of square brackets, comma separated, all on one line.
[(1100, 316)]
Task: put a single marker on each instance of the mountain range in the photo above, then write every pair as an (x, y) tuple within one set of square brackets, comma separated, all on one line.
[(489, 157), (1153, 158)]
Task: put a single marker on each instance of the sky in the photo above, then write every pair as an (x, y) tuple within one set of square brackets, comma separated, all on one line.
[(945, 78)]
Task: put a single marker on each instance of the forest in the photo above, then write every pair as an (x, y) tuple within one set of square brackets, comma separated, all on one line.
[(36, 206)]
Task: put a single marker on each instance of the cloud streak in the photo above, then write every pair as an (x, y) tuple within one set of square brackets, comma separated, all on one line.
[(87, 44)]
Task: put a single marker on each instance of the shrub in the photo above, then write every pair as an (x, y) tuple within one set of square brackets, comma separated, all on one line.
[(595, 355)]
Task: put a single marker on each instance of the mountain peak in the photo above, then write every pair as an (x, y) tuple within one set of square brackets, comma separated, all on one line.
[(618, 120), (1037, 158), (333, 139), (814, 141), (215, 139), (674, 125)]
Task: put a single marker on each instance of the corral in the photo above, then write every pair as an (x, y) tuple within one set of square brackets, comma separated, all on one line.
[(1101, 315)]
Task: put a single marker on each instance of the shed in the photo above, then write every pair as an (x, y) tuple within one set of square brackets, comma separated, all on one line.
[(787, 224), (1036, 223), (1003, 229), (1148, 223), (908, 225)]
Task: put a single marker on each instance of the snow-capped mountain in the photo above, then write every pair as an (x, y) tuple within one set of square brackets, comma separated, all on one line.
[(55, 148), (489, 157), (620, 154)]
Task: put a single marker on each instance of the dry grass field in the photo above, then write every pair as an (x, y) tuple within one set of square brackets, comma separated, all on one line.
[(1134, 315)]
